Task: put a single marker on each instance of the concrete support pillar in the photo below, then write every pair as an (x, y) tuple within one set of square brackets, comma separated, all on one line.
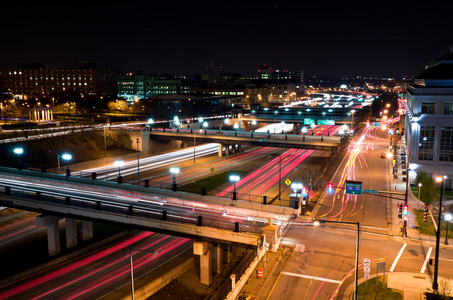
[(53, 232), (220, 150), (239, 148), (71, 232), (87, 230), (229, 254), (205, 251), (218, 259), (227, 149), (271, 237), (234, 148)]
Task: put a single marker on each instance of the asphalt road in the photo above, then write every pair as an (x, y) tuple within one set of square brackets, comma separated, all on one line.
[(325, 267)]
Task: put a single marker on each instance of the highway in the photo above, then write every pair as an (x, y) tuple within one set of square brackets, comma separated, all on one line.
[(290, 160), (103, 272)]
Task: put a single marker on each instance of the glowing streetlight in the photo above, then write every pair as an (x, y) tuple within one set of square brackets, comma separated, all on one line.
[(234, 179), (174, 171), (18, 151), (67, 157), (436, 259), (447, 217)]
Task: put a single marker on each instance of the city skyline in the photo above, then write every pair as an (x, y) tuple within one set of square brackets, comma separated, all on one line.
[(326, 38)]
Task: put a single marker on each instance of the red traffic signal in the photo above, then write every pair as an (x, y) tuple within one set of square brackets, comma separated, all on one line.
[(304, 191), (330, 187), (405, 210)]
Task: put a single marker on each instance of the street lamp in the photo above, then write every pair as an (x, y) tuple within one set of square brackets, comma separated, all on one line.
[(234, 178), (253, 124), (447, 217), (174, 171), (18, 151), (119, 164), (356, 273), (436, 264), (419, 187), (67, 157)]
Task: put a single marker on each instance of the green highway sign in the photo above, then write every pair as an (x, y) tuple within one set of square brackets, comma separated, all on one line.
[(309, 121), (326, 122), (376, 124), (353, 187), (369, 191)]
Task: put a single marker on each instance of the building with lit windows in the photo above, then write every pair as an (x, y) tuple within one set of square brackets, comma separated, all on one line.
[(33, 80), (429, 122), (131, 86)]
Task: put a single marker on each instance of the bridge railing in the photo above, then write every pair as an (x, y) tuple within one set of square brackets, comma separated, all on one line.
[(250, 134), (190, 217), (168, 185)]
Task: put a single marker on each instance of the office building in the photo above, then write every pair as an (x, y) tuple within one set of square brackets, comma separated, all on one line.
[(429, 122)]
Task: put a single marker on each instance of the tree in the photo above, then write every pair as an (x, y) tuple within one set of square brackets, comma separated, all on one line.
[(429, 191)]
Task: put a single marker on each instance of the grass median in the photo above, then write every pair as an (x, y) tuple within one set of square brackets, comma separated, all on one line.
[(210, 183)]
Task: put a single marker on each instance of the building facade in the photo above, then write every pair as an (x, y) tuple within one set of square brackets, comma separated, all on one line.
[(34, 80), (133, 86), (429, 122)]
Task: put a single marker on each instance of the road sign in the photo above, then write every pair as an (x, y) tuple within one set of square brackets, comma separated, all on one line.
[(353, 187), (326, 122), (288, 182), (212, 170), (376, 124), (369, 191), (309, 121), (366, 267)]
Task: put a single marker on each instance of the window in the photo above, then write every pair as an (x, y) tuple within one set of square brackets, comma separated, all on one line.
[(428, 107), (446, 143), (426, 143), (448, 108)]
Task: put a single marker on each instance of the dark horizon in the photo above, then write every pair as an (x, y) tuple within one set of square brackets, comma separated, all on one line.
[(325, 39)]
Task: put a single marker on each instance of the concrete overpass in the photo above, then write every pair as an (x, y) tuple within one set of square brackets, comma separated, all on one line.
[(211, 225), (240, 138)]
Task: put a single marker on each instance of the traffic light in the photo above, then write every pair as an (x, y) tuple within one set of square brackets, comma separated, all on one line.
[(304, 192), (399, 211), (330, 187), (405, 210)]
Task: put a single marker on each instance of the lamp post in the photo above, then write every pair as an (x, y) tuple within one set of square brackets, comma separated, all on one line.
[(138, 163), (18, 151), (119, 164), (356, 273), (234, 179), (419, 187), (174, 171), (67, 157), (253, 124), (447, 218), (436, 263)]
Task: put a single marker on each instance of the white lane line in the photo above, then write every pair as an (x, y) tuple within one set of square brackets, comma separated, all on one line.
[(398, 257), (311, 277), (377, 228), (426, 260)]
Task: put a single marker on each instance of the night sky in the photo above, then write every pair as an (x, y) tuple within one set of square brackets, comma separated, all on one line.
[(323, 38)]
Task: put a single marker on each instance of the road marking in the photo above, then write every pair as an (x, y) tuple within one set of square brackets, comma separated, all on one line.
[(311, 277), (426, 260), (385, 229), (398, 257)]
